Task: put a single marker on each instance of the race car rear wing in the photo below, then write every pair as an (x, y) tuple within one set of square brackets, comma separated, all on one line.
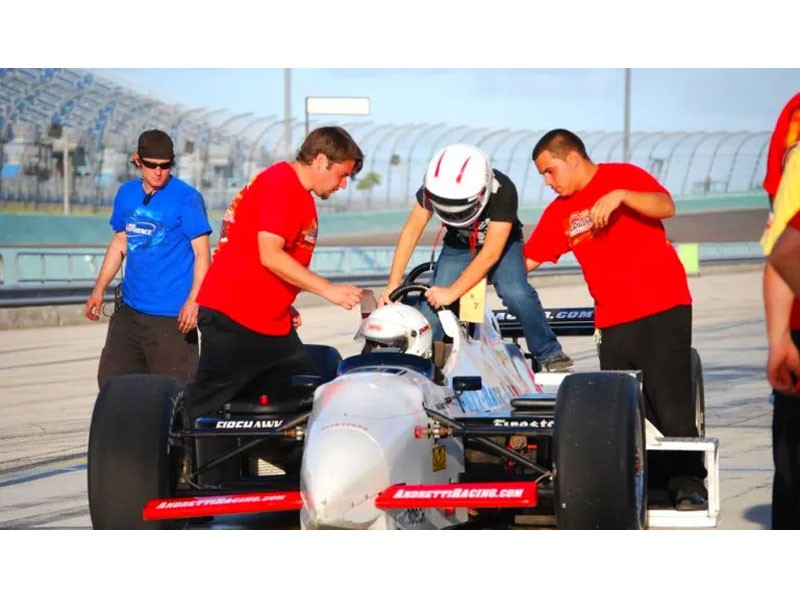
[(563, 321)]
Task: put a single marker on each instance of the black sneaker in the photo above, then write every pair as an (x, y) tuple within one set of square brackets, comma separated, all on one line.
[(659, 499), (558, 363), (690, 500)]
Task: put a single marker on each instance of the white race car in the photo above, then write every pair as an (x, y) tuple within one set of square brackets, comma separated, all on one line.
[(472, 437)]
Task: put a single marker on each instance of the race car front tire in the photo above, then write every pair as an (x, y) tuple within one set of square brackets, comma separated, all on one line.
[(132, 456), (599, 452)]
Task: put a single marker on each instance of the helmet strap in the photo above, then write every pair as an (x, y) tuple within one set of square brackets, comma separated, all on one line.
[(436, 241), (473, 237)]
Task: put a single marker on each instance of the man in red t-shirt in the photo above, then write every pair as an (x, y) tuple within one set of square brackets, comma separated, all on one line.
[(609, 216), (782, 312), (247, 322)]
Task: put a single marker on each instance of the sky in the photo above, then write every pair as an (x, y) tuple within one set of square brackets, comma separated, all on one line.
[(505, 64), (541, 98)]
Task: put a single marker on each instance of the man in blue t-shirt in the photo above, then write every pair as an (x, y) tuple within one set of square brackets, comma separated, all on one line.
[(162, 230)]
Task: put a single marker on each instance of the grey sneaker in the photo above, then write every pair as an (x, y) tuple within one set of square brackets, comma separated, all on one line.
[(557, 363)]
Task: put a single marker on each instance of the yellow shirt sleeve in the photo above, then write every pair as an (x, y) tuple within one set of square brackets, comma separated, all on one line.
[(786, 202)]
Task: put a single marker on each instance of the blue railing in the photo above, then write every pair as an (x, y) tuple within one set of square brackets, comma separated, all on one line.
[(48, 266)]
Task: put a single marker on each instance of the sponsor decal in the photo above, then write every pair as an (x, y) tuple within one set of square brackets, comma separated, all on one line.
[(439, 458), (345, 425), (454, 493), (217, 501), (140, 228), (570, 314), (580, 227), (458, 495), (308, 237), (250, 424), (535, 423)]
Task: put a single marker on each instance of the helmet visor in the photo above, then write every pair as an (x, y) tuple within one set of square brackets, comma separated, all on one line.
[(400, 342), (458, 212)]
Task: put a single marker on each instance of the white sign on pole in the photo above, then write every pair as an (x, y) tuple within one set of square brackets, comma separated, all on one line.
[(335, 106)]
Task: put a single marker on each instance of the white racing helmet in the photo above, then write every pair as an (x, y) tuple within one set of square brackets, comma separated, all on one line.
[(458, 183), (397, 326)]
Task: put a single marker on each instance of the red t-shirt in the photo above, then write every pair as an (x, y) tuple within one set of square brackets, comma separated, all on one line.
[(786, 133), (630, 267), (237, 284), (795, 221)]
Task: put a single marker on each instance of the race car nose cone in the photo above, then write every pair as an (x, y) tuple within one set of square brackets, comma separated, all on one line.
[(343, 471)]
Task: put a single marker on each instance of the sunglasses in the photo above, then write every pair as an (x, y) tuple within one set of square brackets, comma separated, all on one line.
[(163, 166)]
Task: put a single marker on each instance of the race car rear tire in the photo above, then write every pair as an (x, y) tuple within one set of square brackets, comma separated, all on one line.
[(132, 458), (599, 452), (698, 393)]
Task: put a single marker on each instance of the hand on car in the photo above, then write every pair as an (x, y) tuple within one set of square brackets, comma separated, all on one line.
[(439, 297), (383, 299)]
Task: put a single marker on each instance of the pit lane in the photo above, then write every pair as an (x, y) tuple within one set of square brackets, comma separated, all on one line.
[(48, 385)]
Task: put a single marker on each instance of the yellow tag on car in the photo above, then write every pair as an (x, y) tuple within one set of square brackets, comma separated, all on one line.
[(473, 303), (439, 458)]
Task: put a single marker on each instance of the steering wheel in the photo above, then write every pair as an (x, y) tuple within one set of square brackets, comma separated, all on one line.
[(401, 292), (419, 270)]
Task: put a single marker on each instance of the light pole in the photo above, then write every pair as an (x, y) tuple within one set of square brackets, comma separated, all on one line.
[(626, 131), (287, 111)]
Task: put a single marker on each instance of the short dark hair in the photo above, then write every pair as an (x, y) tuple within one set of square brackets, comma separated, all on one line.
[(559, 142), (335, 143)]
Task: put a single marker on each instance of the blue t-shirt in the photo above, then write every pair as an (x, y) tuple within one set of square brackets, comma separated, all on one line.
[(159, 266)]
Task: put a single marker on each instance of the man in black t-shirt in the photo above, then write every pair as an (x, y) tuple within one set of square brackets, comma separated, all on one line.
[(478, 207)]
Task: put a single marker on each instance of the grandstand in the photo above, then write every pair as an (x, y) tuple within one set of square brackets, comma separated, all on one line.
[(49, 114)]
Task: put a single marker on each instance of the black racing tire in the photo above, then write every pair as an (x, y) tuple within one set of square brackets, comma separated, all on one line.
[(133, 456), (599, 452), (698, 393)]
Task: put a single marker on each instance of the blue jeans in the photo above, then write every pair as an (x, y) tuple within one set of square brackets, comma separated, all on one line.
[(510, 281)]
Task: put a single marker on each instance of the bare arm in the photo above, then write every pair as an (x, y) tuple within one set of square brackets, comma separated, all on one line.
[(785, 258), (276, 259), (496, 237), (783, 356), (656, 205), (406, 243), (115, 254), (531, 264), (187, 317)]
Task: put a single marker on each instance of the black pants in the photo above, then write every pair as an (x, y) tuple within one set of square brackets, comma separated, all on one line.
[(786, 457), (660, 347), (237, 362), (140, 343)]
